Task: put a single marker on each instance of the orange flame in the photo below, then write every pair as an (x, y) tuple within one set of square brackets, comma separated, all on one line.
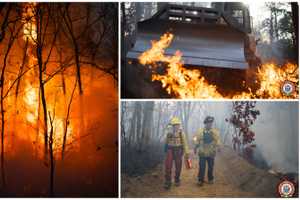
[(272, 77), (31, 96), (189, 83), (29, 27)]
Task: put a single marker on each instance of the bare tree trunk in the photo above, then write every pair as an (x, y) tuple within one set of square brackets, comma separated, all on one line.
[(2, 138), (52, 164), (295, 16), (3, 117), (38, 123), (67, 121), (63, 82), (2, 84), (271, 31), (4, 24), (132, 129), (136, 138), (147, 125), (276, 24), (69, 25), (39, 48), (123, 133), (22, 68), (186, 111), (123, 28), (158, 120)]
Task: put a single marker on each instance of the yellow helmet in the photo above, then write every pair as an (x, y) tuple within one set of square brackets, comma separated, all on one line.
[(175, 120)]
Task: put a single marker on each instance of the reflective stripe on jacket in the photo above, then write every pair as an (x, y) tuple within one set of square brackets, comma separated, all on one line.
[(176, 140)]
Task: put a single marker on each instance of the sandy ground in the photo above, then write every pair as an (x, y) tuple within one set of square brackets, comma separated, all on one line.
[(234, 177)]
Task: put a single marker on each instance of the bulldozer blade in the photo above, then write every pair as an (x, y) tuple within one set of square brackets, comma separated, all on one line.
[(209, 45)]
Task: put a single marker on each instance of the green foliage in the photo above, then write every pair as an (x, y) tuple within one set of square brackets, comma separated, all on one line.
[(279, 27)]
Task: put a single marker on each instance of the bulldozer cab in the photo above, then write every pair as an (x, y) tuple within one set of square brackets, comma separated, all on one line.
[(207, 36)]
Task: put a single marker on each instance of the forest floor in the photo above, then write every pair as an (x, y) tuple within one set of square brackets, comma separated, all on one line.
[(234, 177)]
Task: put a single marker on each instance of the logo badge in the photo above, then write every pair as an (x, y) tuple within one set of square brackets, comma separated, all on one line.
[(286, 189), (287, 88)]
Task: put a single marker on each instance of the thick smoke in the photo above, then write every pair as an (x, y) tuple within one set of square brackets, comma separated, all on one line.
[(277, 134), (276, 131)]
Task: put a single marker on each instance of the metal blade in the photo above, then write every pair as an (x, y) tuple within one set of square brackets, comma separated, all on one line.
[(210, 45)]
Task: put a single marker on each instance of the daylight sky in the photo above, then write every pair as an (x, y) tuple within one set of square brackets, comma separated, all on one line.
[(258, 11)]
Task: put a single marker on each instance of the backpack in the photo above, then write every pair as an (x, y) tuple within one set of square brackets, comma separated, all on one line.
[(207, 137)]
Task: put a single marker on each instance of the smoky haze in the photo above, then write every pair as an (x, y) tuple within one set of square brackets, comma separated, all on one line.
[(276, 128), (278, 134)]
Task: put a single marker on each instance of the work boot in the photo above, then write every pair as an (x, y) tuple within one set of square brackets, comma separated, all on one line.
[(211, 182), (177, 183), (200, 183), (167, 185)]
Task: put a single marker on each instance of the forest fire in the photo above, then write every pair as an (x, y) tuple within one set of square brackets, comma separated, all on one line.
[(29, 28), (272, 77), (31, 99), (57, 81), (32, 96), (190, 83)]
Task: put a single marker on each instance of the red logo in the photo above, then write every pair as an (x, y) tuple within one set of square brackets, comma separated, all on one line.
[(286, 189)]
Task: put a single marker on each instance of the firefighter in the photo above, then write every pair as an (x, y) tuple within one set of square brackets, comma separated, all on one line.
[(207, 142), (175, 147)]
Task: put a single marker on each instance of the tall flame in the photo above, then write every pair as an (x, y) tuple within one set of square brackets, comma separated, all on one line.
[(31, 99), (31, 96), (189, 83), (29, 27), (272, 77)]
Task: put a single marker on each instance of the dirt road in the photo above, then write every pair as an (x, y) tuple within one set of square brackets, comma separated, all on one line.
[(234, 177)]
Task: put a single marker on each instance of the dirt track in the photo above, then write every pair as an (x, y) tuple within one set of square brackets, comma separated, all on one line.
[(234, 177)]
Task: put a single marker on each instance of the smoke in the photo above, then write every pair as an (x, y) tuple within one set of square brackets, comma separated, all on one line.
[(219, 110), (277, 134), (276, 131), (273, 52)]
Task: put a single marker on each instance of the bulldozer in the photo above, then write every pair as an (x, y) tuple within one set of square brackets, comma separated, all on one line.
[(216, 39)]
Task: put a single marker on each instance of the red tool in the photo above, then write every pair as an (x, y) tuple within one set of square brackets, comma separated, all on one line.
[(188, 163)]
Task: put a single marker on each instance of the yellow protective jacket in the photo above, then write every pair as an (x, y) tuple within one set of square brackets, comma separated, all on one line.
[(207, 149), (176, 140)]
